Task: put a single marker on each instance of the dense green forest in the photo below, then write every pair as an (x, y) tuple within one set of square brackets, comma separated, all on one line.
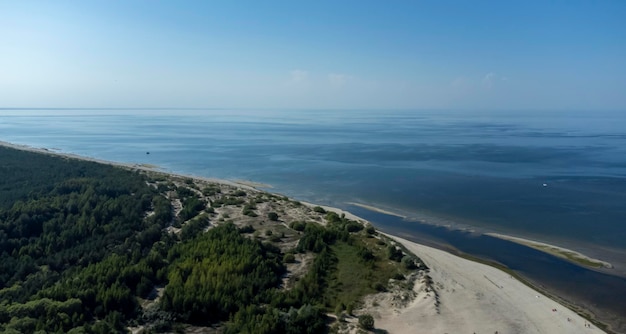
[(75, 245), (88, 248)]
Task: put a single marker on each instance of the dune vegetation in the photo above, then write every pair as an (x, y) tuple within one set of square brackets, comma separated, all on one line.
[(93, 248)]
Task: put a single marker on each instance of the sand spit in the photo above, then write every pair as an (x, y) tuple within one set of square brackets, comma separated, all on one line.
[(561, 252), (375, 209), (558, 251)]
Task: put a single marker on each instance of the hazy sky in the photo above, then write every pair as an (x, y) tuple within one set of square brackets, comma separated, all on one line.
[(314, 54)]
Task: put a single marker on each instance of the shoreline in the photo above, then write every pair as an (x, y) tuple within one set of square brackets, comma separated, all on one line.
[(450, 258), (376, 209), (561, 252), (134, 166), (558, 251)]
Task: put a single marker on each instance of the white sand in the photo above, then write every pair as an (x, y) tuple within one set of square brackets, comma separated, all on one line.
[(476, 298)]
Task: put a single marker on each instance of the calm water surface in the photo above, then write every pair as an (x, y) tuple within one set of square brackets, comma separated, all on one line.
[(483, 169)]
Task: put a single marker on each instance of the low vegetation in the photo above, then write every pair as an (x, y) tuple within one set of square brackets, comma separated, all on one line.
[(91, 248)]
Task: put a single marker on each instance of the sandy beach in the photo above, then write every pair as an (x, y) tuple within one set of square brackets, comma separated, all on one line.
[(476, 298), (468, 297)]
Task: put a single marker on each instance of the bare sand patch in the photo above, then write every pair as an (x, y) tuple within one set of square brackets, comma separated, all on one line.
[(476, 298)]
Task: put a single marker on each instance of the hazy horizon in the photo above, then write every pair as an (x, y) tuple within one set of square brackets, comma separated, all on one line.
[(323, 55)]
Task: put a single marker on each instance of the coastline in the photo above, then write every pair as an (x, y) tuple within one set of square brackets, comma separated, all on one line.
[(561, 252), (134, 166), (568, 254), (573, 256), (454, 321)]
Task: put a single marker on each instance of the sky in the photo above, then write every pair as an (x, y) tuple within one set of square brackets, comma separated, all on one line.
[(500, 55)]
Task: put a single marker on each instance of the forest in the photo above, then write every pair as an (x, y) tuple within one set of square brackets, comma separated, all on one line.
[(93, 248)]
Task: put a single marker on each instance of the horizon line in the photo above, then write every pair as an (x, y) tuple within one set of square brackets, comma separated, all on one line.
[(309, 109)]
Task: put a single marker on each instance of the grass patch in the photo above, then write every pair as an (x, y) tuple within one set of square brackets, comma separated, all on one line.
[(355, 277)]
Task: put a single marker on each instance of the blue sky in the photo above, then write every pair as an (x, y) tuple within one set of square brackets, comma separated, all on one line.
[(314, 54)]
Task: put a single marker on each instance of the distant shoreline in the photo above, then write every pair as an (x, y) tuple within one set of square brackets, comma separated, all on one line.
[(135, 166)]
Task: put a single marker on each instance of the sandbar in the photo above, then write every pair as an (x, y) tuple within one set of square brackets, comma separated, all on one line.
[(564, 253)]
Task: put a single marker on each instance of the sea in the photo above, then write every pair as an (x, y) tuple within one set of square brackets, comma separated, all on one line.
[(448, 176)]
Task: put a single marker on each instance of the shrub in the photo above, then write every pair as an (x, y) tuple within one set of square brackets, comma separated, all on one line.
[(339, 310), (246, 229), (298, 226), (353, 226), (289, 258), (365, 254), (273, 216), (307, 319), (408, 262), (248, 211), (398, 276), (332, 217), (394, 253), (319, 209), (366, 321), (210, 191), (350, 308)]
